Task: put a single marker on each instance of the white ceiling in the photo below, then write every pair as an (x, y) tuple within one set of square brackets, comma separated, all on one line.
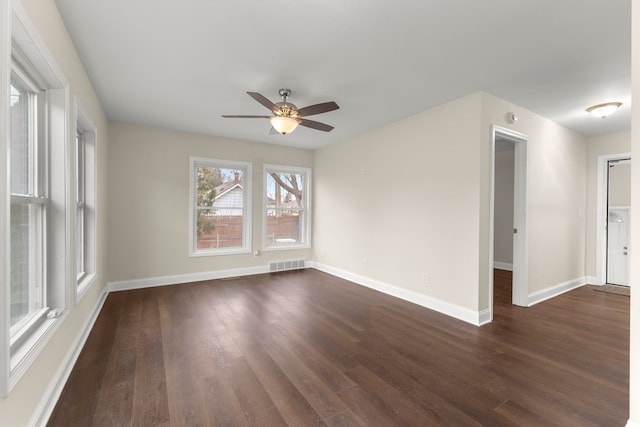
[(182, 64)]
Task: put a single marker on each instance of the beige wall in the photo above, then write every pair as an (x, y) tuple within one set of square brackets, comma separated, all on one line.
[(634, 261), (556, 173), (149, 200), (503, 207), (598, 146), (434, 167), (424, 169), (620, 185), (22, 403)]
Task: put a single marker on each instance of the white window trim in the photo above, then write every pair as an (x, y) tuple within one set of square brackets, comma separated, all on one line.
[(306, 232), (194, 162), (19, 31), (89, 130)]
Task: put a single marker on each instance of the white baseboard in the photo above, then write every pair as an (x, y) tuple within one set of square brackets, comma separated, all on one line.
[(554, 291), (484, 317), (503, 265), (631, 423), (150, 282), (453, 310), (592, 280), (54, 390)]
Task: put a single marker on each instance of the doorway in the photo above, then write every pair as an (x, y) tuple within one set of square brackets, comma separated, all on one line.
[(612, 216), (618, 215), (503, 140)]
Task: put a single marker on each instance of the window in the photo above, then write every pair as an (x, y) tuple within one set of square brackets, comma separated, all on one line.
[(287, 195), (220, 207), (85, 190), (36, 241), (29, 202)]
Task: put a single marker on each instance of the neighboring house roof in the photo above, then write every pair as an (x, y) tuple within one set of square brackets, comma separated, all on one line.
[(227, 187), (229, 198)]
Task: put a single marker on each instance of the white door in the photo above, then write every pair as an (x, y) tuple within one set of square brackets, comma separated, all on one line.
[(618, 246)]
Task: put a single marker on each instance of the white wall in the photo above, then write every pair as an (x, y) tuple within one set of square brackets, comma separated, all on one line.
[(25, 400), (425, 169), (503, 207), (598, 146), (634, 260), (556, 174), (620, 185), (435, 168), (149, 200)]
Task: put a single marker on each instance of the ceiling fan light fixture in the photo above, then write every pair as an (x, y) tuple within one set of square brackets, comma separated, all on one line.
[(283, 125), (604, 110)]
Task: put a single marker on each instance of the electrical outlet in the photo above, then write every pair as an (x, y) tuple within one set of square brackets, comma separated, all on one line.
[(425, 278)]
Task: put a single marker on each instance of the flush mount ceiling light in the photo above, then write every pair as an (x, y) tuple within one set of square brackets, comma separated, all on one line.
[(604, 110)]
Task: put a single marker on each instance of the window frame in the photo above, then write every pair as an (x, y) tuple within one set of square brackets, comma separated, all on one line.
[(35, 197), (19, 350), (85, 189), (246, 168), (305, 232)]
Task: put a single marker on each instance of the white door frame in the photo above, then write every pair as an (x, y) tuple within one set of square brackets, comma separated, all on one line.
[(601, 213), (520, 288)]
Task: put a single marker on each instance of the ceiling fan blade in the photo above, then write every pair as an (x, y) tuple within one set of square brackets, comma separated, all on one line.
[(315, 125), (245, 117), (263, 100), (317, 109)]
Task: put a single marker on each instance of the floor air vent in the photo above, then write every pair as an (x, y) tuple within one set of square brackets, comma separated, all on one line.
[(290, 264)]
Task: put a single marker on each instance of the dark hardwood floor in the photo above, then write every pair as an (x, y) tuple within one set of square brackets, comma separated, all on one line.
[(306, 348)]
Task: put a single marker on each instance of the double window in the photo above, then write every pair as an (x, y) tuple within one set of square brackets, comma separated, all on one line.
[(220, 207), (34, 151)]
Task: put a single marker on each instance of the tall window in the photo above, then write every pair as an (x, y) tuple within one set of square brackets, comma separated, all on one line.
[(81, 205), (287, 195), (37, 244), (29, 203), (220, 208), (85, 189)]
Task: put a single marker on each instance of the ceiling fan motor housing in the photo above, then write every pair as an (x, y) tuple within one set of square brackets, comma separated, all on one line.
[(286, 109)]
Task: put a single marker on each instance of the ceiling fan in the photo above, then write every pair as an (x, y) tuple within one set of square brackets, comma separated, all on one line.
[(286, 116)]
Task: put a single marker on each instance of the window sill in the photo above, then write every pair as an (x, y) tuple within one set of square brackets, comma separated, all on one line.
[(285, 247), (84, 283), (216, 252), (24, 355)]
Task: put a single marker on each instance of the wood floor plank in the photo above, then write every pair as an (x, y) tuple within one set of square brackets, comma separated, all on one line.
[(320, 365), (305, 348), (316, 392), (220, 402), (254, 400), (292, 405), (391, 399), (541, 400), (150, 399), (433, 403), (346, 418)]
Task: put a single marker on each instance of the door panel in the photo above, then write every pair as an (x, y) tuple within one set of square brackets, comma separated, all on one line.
[(618, 246)]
